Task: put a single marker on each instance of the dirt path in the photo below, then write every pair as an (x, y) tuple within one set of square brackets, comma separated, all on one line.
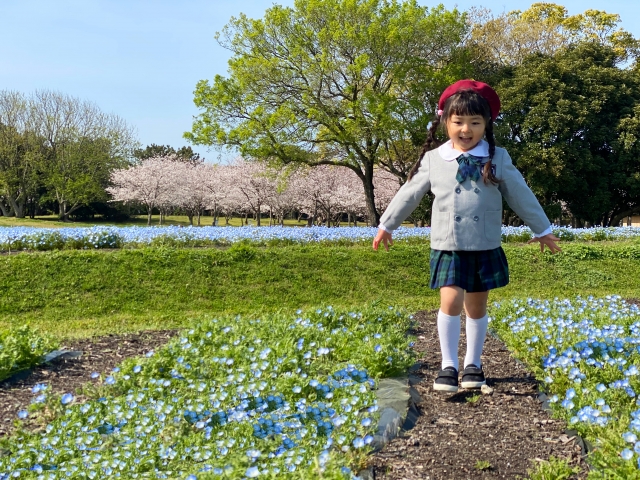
[(508, 429)]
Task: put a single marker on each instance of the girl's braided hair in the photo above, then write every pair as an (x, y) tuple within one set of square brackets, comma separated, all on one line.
[(464, 102)]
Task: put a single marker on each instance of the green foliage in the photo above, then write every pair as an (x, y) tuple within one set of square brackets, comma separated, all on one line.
[(332, 81), (242, 252), (545, 28), (554, 469), (569, 121), (183, 153), (22, 347), (473, 399), (482, 465)]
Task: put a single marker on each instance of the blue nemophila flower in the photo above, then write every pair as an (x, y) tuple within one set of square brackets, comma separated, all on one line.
[(252, 472), (66, 399), (630, 437), (40, 387), (95, 375), (626, 454), (22, 414), (109, 380)]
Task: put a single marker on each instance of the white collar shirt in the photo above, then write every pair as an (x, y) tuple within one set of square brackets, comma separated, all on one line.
[(448, 153)]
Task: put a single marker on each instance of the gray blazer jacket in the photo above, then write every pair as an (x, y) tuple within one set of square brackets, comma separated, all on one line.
[(467, 215)]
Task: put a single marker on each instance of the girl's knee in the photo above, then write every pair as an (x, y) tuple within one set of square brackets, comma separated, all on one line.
[(475, 314), (451, 300)]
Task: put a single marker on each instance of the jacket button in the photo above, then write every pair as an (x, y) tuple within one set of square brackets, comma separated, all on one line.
[(458, 190), (457, 218), (476, 218), (477, 190)]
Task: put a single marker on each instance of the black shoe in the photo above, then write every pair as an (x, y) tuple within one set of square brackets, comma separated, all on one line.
[(473, 377), (447, 380)]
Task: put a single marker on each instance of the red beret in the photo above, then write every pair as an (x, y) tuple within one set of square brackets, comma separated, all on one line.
[(482, 89)]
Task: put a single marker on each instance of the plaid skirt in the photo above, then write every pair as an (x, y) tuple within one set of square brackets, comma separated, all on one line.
[(473, 271)]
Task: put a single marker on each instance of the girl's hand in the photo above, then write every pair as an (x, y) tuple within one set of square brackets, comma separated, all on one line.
[(548, 240), (384, 237)]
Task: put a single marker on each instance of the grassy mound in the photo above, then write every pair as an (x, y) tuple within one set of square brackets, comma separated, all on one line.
[(80, 293)]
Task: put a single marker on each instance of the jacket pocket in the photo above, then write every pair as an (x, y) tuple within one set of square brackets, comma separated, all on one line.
[(493, 226), (439, 226)]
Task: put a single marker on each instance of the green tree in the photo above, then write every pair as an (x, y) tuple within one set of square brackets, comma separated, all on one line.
[(571, 122), (183, 153), (20, 153), (84, 146), (340, 82), (544, 28)]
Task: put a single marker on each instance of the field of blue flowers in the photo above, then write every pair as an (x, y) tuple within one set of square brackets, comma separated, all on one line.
[(586, 351), (29, 238), (232, 397)]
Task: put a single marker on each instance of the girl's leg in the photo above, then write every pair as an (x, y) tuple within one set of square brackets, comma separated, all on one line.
[(451, 301), (475, 305)]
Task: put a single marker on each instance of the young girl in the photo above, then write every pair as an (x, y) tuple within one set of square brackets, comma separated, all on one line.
[(468, 177)]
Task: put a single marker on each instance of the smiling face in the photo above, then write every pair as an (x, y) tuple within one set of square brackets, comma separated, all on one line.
[(465, 131)]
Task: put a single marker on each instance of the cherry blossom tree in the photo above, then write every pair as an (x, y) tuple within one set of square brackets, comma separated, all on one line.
[(190, 192), (148, 183)]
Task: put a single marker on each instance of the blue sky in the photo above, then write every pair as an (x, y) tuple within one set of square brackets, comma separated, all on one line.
[(141, 59)]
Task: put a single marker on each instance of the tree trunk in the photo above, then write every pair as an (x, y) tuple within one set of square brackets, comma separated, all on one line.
[(258, 216), (16, 206), (367, 181), (149, 214), (6, 209), (617, 218), (62, 210), (190, 217)]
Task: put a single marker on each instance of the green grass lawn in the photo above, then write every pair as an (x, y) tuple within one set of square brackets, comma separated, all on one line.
[(83, 293)]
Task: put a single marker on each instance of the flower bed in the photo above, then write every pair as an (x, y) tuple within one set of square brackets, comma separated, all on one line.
[(27, 238), (230, 398), (586, 351)]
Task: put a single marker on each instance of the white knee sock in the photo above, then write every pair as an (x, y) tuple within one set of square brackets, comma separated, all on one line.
[(476, 333), (449, 333)]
